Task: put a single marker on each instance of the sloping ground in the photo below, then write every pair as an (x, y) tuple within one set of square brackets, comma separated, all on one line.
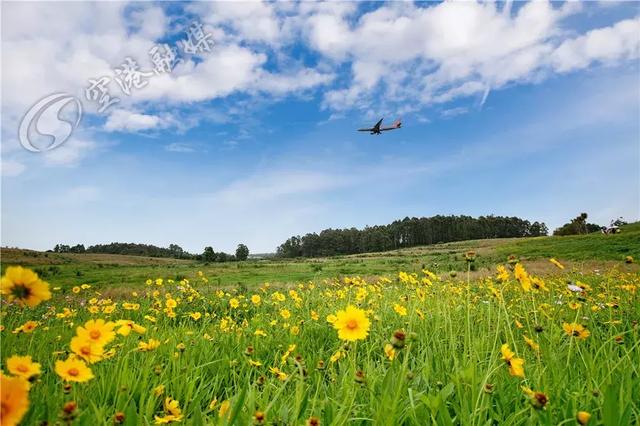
[(579, 247), (32, 257)]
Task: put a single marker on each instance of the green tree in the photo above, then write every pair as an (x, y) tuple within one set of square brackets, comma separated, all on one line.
[(209, 255), (242, 252)]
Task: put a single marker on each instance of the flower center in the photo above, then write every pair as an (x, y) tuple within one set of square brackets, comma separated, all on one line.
[(352, 324), (20, 291), (86, 350), (73, 372), (23, 368), (95, 334)]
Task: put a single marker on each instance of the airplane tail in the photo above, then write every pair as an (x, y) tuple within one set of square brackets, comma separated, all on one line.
[(397, 124)]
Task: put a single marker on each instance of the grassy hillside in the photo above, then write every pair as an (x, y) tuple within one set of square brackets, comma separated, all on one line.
[(109, 271)]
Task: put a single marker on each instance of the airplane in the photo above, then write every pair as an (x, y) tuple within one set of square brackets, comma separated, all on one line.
[(376, 130)]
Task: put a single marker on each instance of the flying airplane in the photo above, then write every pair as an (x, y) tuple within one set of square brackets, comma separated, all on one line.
[(376, 130)]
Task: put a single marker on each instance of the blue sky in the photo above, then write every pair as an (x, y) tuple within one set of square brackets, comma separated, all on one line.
[(528, 110)]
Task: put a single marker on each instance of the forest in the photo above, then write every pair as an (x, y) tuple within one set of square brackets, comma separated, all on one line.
[(408, 232)]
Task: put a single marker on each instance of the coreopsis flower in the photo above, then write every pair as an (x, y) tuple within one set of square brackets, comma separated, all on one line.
[(284, 313), (14, 399), (533, 345), (313, 421), (516, 365), (258, 418), (73, 369), (576, 330), (158, 390), (234, 303), (315, 316), (502, 274), (151, 345), (23, 366), (628, 259), (389, 351), (24, 286), (537, 399), (125, 327), (87, 349), (256, 299), (583, 417), (98, 331), (172, 412), (27, 327), (224, 408), (352, 324), (556, 263), (282, 376), (522, 276), (400, 310)]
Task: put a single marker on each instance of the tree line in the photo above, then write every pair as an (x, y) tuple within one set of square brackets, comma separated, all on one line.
[(408, 232), (173, 251)]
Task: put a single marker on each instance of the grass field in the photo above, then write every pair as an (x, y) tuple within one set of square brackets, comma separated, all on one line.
[(428, 335)]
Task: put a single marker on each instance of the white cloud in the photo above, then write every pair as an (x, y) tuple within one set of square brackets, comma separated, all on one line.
[(607, 45), (122, 120), (403, 54), (70, 153), (179, 147), (12, 167)]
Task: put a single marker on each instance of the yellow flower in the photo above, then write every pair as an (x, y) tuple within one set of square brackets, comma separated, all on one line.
[(352, 324), (158, 390), (151, 345), (27, 327), (400, 310), (331, 319), (14, 398), (255, 299), (583, 417), (172, 410), (224, 408), (195, 315), (522, 276), (73, 370), (234, 303), (502, 274), (537, 399), (576, 330), (285, 314), (24, 286), (279, 374), (533, 345), (87, 349), (516, 365), (389, 351), (260, 332), (315, 316), (555, 262), (76, 289), (171, 303), (98, 331), (23, 366), (254, 363)]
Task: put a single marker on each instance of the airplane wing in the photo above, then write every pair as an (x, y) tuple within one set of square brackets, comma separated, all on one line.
[(365, 130), (396, 125)]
